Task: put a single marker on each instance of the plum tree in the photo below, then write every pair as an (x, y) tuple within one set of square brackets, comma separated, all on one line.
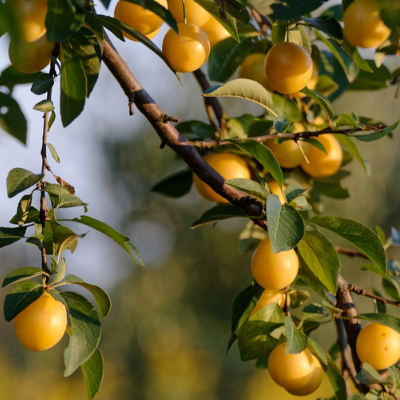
[(241, 168)]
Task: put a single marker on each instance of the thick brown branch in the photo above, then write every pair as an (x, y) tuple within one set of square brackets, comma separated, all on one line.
[(171, 137), (352, 325)]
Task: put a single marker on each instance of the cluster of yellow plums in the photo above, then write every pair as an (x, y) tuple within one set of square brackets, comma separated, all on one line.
[(31, 51), (186, 51)]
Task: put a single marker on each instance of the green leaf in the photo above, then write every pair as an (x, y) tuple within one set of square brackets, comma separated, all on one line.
[(44, 106), (383, 319), (63, 19), (242, 305), (321, 258), (103, 301), (259, 127), (362, 237), (249, 186), (390, 284), (23, 209), (227, 56), (85, 45), (349, 67), (64, 239), (120, 239), (244, 89), (19, 179), (86, 331), (53, 152), (73, 85), (317, 350), (349, 144), (61, 271), (328, 25), (22, 274), (12, 119), (296, 341), (286, 108), (175, 185), (117, 26), (21, 296), (11, 77), (254, 337), (337, 381), (42, 84), (70, 200), (285, 225), (93, 372), (298, 298), (264, 155), (197, 128), (33, 214), (333, 190), (54, 188), (214, 9), (321, 100), (390, 14), (368, 375), (218, 213), (285, 10)]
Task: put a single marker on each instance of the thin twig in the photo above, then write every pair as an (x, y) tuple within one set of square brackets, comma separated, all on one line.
[(362, 292), (350, 252), (211, 101)]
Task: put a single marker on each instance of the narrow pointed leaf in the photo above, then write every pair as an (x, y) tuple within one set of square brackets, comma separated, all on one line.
[(61, 271), (336, 378), (285, 225), (368, 375), (249, 186), (362, 237), (53, 152), (22, 274), (12, 119), (264, 155), (218, 213), (321, 100), (244, 89), (93, 372), (103, 301), (120, 239), (21, 296), (176, 185), (317, 350), (321, 258), (296, 341), (86, 331), (11, 235), (20, 179)]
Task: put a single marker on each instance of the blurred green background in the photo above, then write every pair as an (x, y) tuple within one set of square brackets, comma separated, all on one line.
[(167, 334)]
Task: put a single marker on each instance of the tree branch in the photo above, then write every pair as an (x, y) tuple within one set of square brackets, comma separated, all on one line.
[(172, 138), (362, 292)]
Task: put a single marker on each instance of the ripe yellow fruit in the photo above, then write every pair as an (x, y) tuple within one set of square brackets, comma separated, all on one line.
[(288, 153), (215, 31), (363, 25), (312, 84), (291, 371), (30, 16), (30, 57), (313, 384), (42, 324), (228, 165), (139, 18), (195, 14), (273, 271), (269, 297), (322, 165), (288, 67), (275, 189), (378, 345), (187, 51), (253, 68)]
